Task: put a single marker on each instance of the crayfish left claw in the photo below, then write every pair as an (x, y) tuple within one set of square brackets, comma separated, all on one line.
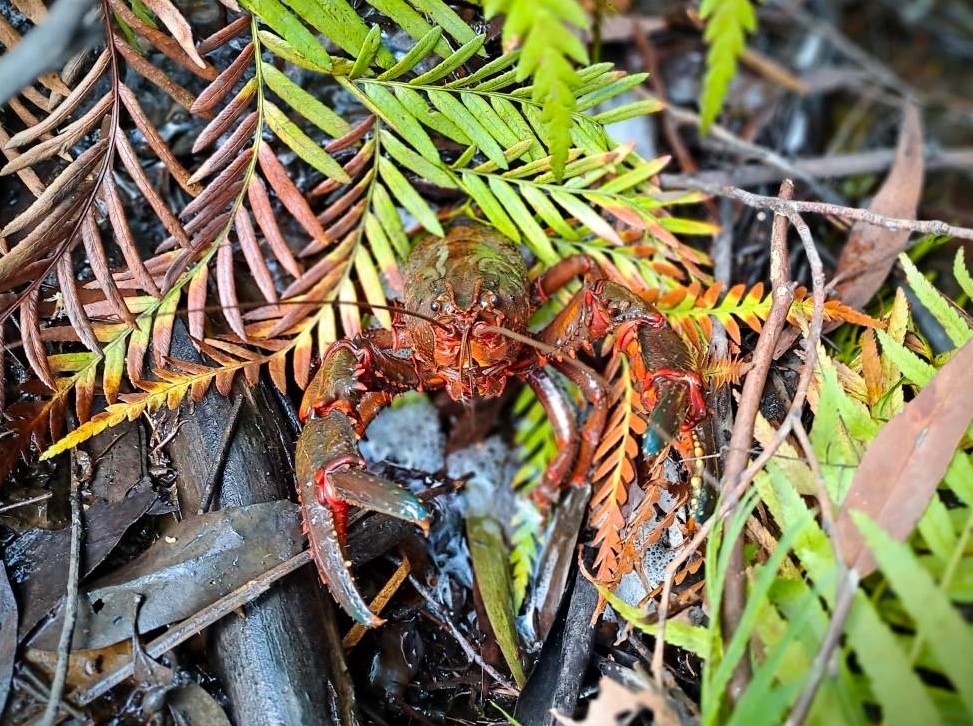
[(368, 491)]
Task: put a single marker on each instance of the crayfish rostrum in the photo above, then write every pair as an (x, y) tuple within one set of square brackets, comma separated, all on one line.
[(463, 329)]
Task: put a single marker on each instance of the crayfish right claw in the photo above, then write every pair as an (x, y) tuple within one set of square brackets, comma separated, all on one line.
[(332, 477), (329, 557)]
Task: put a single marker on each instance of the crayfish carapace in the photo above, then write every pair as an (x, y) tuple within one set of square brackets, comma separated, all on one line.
[(468, 300)]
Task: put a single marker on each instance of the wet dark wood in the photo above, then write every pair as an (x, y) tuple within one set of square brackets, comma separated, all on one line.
[(281, 662), (560, 673)]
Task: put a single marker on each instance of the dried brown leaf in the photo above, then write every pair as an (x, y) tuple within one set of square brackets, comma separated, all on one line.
[(68, 286), (196, 302), (154, 75), (277, 367), (353, 136), (352, 169), (131, 163), (177, 25), (226, 286), (219, 191), (229, 149), (171, 47), (43, 240), (67, 106), (155, 142), (338, 229), (34, 10), (71, 135), (223, 35), (95, 252), (870, 251), (289, 195), (205, 229), (225, 118), (70, 177), (339, 205), (295, 312), (23, 113), (254, 257), (124, 238), (335, 258), (206, 236), (216, 91), (904, 464), (28, 176), (263, 213), (31, 337)]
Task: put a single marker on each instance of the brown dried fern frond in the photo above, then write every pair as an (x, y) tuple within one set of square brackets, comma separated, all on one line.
[(82, 161)]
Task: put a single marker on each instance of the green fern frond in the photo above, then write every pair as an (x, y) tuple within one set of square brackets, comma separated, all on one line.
[(545, 31), (534, 439), (945, 314), (962, 274), (727, 25), (524, 548)]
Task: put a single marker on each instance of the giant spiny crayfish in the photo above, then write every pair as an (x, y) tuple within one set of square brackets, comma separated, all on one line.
[(463, 328)]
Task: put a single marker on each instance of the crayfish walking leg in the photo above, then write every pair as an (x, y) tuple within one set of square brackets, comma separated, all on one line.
[(660, 360), (355, 380)]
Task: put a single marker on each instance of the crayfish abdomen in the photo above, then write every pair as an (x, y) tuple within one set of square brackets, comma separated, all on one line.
[(463, 329)]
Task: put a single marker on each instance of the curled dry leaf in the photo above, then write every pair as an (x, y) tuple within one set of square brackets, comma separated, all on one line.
[(870, 251), (178, 26), (904, 464), (615, 700)]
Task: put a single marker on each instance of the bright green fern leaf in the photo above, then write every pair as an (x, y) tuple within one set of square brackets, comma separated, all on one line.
[(545, 31), (727, 25)]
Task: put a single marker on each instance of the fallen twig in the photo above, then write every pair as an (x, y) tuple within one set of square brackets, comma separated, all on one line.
[(358, 630), (734, 599), (795, 207), (32, 500), (834, 165), (192, 625), (70, 596)]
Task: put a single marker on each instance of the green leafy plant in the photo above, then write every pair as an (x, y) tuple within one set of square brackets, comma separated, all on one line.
[(727, 25), (901, 637), (546, 33)]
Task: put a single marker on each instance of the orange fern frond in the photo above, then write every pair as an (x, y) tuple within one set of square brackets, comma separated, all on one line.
[(614, 469)]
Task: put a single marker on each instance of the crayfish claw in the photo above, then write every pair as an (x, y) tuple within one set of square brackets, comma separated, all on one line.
[(331, 478), (366, 490), (329, 558)]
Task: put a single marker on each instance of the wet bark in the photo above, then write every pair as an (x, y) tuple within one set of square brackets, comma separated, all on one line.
[(556, 681), (282, 660)]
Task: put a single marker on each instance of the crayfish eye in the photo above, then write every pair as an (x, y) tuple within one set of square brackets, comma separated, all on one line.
[(489, 299), (441, 304)]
